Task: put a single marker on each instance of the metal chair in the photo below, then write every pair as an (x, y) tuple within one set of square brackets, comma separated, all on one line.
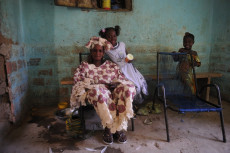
[(176, 96)]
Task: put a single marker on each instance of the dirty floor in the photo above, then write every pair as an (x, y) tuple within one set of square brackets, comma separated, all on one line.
[(43, 132)]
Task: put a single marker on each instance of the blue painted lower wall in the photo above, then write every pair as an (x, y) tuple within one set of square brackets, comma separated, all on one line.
[(220, 51), (52, 36)]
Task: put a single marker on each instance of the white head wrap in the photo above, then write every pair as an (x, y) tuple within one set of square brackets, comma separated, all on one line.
[(100, 41)]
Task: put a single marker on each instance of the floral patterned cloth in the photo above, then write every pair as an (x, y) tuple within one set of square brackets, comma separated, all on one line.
[(114, 107), (100, 41), (184, 69)]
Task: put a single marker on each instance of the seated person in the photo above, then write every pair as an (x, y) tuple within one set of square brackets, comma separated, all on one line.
[(93, 81)]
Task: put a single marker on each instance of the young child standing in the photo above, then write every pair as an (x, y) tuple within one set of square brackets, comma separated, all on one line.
[(185, 66), (118, 55)]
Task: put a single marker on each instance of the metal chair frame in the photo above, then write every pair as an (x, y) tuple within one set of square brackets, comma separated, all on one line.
[(164, 98)]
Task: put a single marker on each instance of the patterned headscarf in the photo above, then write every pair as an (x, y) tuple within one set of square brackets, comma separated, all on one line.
[(100, 41)]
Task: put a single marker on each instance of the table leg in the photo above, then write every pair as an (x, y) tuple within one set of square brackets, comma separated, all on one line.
[(208, 89)]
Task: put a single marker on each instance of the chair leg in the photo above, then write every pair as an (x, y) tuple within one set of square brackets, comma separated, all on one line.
[(132, 121), (166, 121), (82, 119), (154, 99), (222, 126)]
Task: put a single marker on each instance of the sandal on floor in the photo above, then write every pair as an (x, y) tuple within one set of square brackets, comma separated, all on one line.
[(121, 137), (107, 136)]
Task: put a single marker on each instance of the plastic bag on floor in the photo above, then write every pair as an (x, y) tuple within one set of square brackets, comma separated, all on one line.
[(147, 109)]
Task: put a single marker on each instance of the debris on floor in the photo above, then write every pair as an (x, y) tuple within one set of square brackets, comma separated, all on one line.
[(147, 109)]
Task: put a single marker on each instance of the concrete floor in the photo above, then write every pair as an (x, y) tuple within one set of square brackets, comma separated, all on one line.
[(190, 133)]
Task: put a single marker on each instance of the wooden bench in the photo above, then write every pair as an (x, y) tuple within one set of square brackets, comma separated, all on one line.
[(201, 75)]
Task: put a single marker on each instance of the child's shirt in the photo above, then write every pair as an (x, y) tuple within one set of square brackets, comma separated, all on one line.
[(118, 54), (185, 63)]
